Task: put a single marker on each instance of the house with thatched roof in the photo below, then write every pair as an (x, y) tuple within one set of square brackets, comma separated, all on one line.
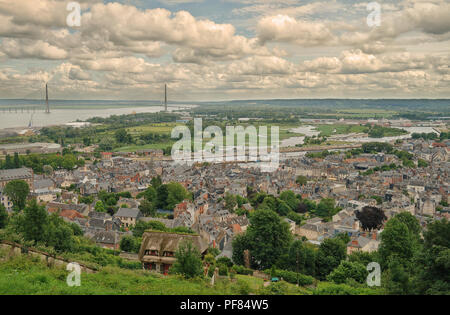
[(158, 249)]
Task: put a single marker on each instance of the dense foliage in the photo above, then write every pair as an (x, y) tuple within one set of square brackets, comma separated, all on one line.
[(17, 192), (189, 261)]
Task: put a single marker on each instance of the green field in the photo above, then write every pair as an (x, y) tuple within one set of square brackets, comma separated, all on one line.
[(337, 129), (166, 128), (134, 148), (159, 128), (364, 112)]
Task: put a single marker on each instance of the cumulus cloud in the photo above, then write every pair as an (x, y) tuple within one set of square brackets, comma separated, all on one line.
[(77, 74), (31, 49), (283, 28), (285, 49)]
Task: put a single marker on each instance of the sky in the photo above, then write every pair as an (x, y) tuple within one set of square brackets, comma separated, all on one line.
[(210, 50)]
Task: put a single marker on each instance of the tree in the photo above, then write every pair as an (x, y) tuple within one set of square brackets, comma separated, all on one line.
[(326, 208), (150, 194), (100, 207), (371, 218), (86, 141), (290, 198), (437, 234), (432, 264), (343, 237), (241, 200), (111, 201), (302, 207), (269, 203), (301, 258), (48, 170), (422, 163), (230, 202), (8, 163), (363, 257), (161, 199), (301, 180), (130, 244), (77, 231), (398, 278), (269, 238), (86, 200), (69, 162), (348, 270), (147, 208), (122, 136), (224, 261), (3, 216), (283, 208), (17, 191), (189, 261), (239, 245), (176, 194), (17, 163), (411, 222), (33, 223), (330, 254), (156, 182), (396, 241), (214, 251), (59, 234), (106, 143)]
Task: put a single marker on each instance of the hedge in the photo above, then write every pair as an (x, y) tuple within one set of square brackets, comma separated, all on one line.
[(292, 277), (242, 270)]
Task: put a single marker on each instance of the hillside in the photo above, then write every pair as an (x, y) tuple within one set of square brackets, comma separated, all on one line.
[(30, 276)]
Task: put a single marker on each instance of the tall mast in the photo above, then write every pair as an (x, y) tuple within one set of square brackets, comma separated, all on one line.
[(47, 109), (165, 97)]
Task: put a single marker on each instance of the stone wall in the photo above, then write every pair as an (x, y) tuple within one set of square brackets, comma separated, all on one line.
[(14, 249)]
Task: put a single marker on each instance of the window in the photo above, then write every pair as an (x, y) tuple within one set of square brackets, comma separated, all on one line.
[(149, 252), (169, 254)]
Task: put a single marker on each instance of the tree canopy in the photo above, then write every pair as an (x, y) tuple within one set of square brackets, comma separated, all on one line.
[(267, 238), (371, 218), (17, 191), (189, 261)]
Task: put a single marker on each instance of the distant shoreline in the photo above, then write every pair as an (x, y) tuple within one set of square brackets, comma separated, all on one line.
[(20, 119)]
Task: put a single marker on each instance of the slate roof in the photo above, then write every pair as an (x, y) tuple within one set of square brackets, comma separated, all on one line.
[(43, 183), (128, 213), (16, 173), (106, 237)]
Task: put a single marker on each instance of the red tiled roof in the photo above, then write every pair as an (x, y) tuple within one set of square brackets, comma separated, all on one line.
[(70, 214)]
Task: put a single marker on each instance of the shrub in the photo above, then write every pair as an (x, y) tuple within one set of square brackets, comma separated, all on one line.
[(211, 270), (275, 288), (292, 277), (189, 261), (341, 289), (241, 270), (225, 261), (223, 270), (242, 288), (348, 270)]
